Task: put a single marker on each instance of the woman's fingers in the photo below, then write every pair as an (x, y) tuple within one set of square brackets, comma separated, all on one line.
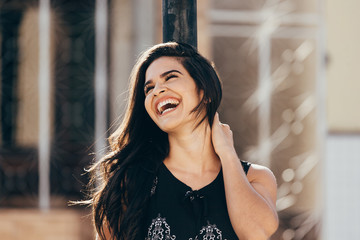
[(217, 121), (216, 118), (222, 137), (225, 125)]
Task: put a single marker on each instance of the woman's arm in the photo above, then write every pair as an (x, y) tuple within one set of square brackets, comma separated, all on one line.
[(250, 199)]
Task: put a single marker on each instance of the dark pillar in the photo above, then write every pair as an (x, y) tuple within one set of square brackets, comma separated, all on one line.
[(179, 21), (74, 96), (9, 24)]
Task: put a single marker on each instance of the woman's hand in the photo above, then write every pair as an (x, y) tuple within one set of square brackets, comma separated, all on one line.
[(222, 138)]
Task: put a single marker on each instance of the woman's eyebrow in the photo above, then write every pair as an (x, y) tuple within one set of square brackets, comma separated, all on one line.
[(167, 72), (162, 76)]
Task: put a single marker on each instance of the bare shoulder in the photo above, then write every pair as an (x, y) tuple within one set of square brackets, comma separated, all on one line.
[(258, 173), (262, 179)]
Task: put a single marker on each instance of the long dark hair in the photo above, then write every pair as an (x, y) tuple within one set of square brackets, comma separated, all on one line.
[(121, 181)]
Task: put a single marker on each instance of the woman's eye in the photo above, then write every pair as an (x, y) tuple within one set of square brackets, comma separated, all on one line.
[(169, 77), (147, 89)]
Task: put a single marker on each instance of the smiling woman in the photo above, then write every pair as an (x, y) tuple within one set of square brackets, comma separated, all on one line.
[(172, 172), (171, 94)]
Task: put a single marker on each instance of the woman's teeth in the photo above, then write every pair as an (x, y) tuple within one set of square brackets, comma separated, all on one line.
[(166, 110), (167, 105)]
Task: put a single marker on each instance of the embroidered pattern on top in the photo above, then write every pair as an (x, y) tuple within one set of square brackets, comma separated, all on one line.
[(159, 230), (209, 232)]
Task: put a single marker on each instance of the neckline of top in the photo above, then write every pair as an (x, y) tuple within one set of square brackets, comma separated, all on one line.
[(172, 176)]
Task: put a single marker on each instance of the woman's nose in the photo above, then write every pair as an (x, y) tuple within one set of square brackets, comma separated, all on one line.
[(159, 88)]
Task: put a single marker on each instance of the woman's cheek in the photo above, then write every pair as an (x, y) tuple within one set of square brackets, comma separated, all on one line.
[(147, 106), (149, 110)]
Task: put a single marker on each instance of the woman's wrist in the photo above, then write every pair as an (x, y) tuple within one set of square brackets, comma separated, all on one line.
[(228, 155)]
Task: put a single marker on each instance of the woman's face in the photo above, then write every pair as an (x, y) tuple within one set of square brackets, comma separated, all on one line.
[(170, 95)]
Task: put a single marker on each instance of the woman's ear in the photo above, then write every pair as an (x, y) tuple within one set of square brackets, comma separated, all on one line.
[(207, 100), (201, 93)]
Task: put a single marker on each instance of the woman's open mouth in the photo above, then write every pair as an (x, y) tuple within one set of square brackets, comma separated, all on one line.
[(167, 105)]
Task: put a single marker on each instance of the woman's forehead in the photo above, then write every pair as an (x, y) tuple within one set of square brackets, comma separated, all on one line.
[(162, 65)]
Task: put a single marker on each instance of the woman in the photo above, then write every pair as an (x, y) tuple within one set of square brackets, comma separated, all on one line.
[(173, 172)]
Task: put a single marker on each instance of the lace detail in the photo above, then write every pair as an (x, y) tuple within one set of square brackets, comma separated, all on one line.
[(209, 232), (159, 230)]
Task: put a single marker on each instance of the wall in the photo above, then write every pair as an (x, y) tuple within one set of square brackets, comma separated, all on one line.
[(342, 193), (343, 37)]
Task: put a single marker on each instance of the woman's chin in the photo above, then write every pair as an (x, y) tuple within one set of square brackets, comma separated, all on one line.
[(168, 128)]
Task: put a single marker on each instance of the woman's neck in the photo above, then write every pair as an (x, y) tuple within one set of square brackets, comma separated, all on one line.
[(193, 151)]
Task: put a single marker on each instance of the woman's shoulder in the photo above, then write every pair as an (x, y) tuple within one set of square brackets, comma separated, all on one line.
[(262, 177), (258, 172)]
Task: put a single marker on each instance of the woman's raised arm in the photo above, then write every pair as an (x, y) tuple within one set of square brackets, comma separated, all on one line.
[(250, 199)]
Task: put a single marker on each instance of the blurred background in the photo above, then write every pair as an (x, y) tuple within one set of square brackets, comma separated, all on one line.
[(290, 75)]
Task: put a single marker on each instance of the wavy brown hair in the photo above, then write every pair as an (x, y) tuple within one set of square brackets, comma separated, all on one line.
[(121, 181)]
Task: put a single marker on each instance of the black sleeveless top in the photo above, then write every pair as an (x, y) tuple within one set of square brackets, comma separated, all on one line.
[(177, 212)]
